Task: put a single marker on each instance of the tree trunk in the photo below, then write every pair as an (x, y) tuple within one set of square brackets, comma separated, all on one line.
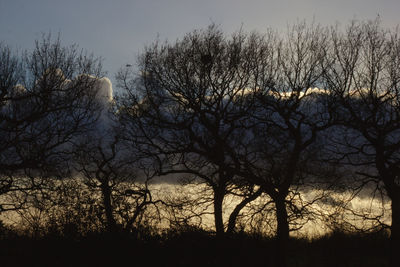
[(219, 223), (395, 231), (282, 235), (106, 191)]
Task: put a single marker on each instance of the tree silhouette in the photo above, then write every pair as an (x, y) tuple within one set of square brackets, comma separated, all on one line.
[(284, 123), (181, 109), (111, 168), (47, 101), (364, 77)]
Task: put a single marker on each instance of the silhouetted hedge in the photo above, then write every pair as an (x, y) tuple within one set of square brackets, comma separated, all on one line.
[(190, 247)]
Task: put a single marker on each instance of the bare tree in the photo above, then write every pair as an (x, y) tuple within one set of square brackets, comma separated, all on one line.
[(47, 101), (281, 149), (108, 167), (182, 108), (365, 80)]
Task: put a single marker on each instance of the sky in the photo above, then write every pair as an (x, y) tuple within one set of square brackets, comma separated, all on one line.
[(118, 30)]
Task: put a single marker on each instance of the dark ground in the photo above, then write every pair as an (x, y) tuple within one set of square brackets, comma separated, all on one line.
[(190, 248)]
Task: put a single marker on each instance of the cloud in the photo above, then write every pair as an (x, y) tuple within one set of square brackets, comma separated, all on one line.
[(307, 92), (105, 93), (103, 87)]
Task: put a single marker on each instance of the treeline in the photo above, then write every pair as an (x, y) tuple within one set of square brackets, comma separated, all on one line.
[(274, 123)]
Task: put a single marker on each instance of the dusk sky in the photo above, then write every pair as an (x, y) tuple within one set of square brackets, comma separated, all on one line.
[(118, 30)]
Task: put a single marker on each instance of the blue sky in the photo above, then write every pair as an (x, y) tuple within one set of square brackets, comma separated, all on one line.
[(117, 30)]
